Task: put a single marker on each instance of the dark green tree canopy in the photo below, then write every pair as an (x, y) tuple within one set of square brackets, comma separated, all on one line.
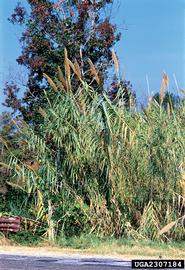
[(170, 100)]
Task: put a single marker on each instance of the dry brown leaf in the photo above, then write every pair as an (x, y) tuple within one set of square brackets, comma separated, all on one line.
[(32, 165), (14, 185), (168, 227), (42, 112)]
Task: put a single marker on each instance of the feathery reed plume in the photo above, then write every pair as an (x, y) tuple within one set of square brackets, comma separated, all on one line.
[(164, 83), (166, 80), (51, 82), (67, 66), (71, 65), (162, 91), (93, 71), (76, 71), (60, 85), (61, 77), (115, 60)]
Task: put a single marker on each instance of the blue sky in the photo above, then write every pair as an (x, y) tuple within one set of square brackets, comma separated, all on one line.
[(153, 40)]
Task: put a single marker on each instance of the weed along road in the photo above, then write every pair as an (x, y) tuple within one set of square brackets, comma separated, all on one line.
[(20, 262)]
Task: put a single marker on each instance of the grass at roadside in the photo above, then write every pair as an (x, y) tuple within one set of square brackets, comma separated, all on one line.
[(90, 244), (112, 246)]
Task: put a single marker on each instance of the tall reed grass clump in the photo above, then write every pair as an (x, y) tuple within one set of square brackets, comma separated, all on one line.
[(99, 168)]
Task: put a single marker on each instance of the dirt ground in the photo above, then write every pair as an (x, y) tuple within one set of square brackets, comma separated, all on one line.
[(126, 253)]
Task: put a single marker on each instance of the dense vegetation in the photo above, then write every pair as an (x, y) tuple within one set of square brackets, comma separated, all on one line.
[(79, 158), (99, 168)]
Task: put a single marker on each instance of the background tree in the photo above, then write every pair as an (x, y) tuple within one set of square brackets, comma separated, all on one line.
[(11, 146), (170, 100), (120, 93), (51, 26)]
